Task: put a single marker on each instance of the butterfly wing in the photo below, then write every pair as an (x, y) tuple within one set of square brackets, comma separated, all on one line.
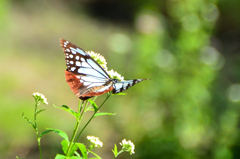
[(84, 75), (124, 85)]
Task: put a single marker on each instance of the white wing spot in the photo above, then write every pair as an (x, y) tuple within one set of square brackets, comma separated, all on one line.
[(78, 63), (82, 59), (84, 64), (71, 56), (77, 57), (67, 50), (65, 43), (71, 62), (74, 52), (73, 68)]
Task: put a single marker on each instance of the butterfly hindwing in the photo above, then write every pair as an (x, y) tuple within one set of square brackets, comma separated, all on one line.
[(124, 85)]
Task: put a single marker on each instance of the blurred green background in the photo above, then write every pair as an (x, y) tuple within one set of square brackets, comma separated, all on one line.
[(190, 50)]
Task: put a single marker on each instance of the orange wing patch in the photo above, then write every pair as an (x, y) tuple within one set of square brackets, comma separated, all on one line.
[(82, 91)]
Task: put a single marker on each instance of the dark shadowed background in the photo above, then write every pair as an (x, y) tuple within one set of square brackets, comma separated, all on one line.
[(190, 50)]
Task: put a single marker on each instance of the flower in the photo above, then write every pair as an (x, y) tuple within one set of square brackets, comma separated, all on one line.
[(40, 98), (127, 146), (95, 142), (115, 75), (99, 59)]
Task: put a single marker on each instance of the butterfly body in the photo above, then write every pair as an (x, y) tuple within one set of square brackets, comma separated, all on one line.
[(86, 77)]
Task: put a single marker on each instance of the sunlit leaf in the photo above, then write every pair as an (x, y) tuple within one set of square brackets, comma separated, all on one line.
[(120, 94), (64, 144), (29, 121), (66, 108), (98, 157), (115, 151), (59, 156), (83, 149), (39, 111), (93, 104), (59, 132), (103, 113)]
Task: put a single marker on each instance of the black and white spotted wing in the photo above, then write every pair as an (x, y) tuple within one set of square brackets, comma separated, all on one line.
[(86, 77), (124, 85)]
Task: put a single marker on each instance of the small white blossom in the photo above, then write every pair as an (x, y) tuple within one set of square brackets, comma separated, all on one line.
[(99, 58), (127, 146), (115, 75), (95, 142), (40, 98)]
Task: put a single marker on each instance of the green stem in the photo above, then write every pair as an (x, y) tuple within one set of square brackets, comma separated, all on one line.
[(36, 130), (92, 117), (119, 153), (80, 111)]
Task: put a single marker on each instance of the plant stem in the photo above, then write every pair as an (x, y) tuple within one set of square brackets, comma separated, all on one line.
[(119, 153), (92, 117), (80, 111), (36, 130)]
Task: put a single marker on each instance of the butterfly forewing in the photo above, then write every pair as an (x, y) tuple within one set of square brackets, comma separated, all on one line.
[(80, 62), (84, 75)]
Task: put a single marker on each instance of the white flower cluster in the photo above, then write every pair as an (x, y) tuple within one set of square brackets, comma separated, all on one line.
[(115, 75), (40, 98), (127, 146), (95, 141), (102, 61)]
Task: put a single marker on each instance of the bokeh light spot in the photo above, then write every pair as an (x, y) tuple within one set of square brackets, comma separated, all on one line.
[(190, 22), (233, 92), (120, 43), (148, 23), (165, 60), (210, 12), (210, 56)]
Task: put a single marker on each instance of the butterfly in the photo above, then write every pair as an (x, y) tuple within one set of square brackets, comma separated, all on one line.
[(86, 77)]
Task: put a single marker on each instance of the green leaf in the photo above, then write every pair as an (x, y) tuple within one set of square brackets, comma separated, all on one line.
[(29, 121), (74, 148), (115, 151), (64, 144), (75, 157), (69, 110), (83, 150), (93, 104), (17, 157), (59, 132), (59, 156), (45, 132), (120, 94), (98, 157), (103, 113), (39, 111)]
